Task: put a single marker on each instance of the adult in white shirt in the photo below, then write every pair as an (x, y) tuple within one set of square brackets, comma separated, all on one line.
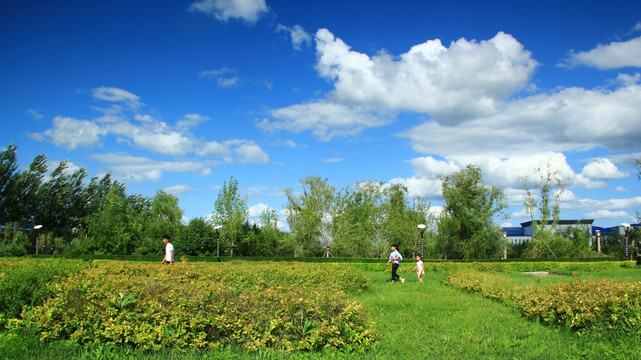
[(169, 251)]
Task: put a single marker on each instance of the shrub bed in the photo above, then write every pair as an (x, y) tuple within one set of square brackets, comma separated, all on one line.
[(28, 283), (597, 305), (287, 306)]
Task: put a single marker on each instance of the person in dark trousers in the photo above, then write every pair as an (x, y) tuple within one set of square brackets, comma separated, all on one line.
[(395, 259)]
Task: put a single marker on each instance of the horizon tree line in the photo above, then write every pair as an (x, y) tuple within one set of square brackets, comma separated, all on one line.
[(96, 216)]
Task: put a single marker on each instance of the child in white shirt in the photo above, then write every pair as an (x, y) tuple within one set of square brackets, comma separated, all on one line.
[(419, 268)]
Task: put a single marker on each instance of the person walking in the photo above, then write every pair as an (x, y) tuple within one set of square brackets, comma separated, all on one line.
[(169, 251), (395, 259), (419, 268)]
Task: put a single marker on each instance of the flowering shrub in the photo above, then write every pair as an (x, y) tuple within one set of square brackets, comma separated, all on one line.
[(288, 306), (581, 304)]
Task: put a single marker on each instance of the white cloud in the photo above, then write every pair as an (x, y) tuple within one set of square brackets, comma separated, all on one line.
[(506, 173), (71, 133), (299, 36), (34, 113), (247, 151), (179, 189), (467, 79), (139, 169), (608, 214), (156, 137), (190, 121), (333, 160), (115, 95), (256, 210), (565, 120), (611, 56), (420, 187), (326, 120), (223, 10), (147, 133), (602, 169), (224, 77)]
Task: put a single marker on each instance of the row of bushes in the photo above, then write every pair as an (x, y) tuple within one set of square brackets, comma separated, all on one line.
[(595, 305), (284, 306)]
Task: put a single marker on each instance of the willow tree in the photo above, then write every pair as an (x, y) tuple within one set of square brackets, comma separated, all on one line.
[(467, 228)]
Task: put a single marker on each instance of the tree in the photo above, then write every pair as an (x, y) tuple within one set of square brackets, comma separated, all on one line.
[(197, 238), (62, 205), (269, 238), (112, 229), (356, 220), (466, 227), (8, 167), (163, 218), (18, 190), (550, 186), (230, 212), (310, 217)]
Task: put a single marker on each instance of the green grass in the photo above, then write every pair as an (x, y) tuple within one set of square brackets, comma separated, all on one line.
[(416, 321)]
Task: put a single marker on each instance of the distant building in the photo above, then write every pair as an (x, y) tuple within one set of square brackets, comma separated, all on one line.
[(518, 235)]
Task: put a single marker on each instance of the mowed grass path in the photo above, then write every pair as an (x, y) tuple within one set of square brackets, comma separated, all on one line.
[(433, 321)]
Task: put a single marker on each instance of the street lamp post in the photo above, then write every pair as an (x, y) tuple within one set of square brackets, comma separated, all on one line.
[(626, 228), (422, 227), (504, 245), (217, 228), (37, 227)]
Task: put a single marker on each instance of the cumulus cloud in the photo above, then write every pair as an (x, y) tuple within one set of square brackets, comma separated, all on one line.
[(243, 151), (611, 56), (299, 36), (223, 10), (602, 169), (71, 133), (466, 80), (469, 78)]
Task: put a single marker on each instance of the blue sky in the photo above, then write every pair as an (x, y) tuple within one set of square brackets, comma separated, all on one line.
[(180, 95)]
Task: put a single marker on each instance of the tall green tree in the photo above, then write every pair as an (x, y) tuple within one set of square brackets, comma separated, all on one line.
[(164, 218), (544, 204), (230, 211), (269, 238), (466, 228), (197, 238), (113, 228), (357, 220), (310, 216), (62, 204)]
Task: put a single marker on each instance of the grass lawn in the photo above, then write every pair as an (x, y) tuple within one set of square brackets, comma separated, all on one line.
[(433, 321), (416, 321)]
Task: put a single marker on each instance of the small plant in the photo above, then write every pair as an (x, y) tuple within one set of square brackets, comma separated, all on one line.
[(123, 302), (306, 325)]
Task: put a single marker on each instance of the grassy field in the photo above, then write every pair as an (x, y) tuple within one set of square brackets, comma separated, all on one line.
[(426, 320)]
